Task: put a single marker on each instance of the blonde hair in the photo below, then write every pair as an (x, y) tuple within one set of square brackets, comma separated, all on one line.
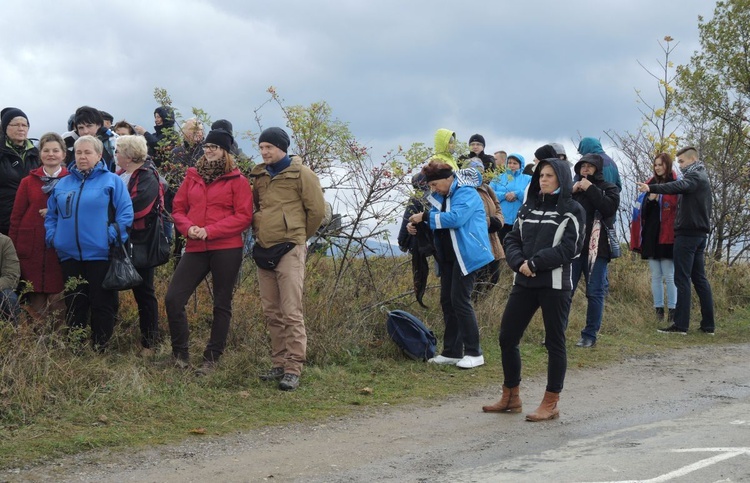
[(133, 147), (93, 141)]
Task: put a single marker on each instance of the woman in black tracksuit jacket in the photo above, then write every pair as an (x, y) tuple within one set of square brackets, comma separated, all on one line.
[(547, 235)]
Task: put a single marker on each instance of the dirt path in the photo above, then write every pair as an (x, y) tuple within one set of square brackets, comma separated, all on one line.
[(434, 442)]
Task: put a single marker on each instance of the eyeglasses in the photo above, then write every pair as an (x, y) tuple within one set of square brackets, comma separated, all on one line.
[(19, 125), (472, 145), (210, 147)]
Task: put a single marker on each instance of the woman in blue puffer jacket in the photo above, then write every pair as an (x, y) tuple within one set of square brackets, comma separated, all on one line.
[(78, 226), (510, 188), (462, 247)]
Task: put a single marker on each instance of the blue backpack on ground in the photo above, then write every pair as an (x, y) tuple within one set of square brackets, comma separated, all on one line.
[(411, 335)]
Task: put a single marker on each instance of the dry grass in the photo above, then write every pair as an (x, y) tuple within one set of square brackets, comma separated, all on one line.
[(58, 397)]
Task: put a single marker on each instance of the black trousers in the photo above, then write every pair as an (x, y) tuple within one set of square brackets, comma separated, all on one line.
[(224, 265), (522, 304), (88, 298), (148, 308), (461, 329)]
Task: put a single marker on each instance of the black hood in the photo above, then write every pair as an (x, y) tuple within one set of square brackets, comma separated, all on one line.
[(594, 159), (562, 170), (166, 114)]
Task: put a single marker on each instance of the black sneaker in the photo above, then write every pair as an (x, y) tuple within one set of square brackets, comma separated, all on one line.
[(289, 382), (672, 329), (273, 374), (586, 343), (707, 331), (206, 369)]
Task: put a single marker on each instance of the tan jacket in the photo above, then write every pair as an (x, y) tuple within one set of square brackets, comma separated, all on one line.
[(492, 209), (288, 207), (10, 267)]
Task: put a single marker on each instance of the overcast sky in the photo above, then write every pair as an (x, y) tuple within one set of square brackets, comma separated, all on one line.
[(521, 73)]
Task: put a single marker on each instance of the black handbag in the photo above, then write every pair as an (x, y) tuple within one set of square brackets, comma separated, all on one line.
[(614, 244), (121, 275), (269, 258), (150, 246)]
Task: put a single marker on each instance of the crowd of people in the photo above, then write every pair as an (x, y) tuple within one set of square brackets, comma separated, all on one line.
[(68, 199), (556, 223)]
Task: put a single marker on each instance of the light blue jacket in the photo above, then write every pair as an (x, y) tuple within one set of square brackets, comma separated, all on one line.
[(511, 181), (77, 222), (465, 218)]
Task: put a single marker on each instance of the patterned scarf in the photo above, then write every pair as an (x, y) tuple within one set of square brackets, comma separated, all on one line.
[(210, 170)]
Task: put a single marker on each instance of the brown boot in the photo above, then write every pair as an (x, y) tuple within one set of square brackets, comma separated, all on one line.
[(547, 409), (510, 402)]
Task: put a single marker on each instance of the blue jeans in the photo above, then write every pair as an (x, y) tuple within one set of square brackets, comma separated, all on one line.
[(689, 264), (9, 307), (596, 290), (662, 272)]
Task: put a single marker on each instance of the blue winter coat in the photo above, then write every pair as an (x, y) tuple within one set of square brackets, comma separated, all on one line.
[(465, 218), (77, 222), (508, 181)]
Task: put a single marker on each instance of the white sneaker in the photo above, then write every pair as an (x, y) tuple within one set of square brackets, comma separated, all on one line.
[(470, 361), (440, 359)]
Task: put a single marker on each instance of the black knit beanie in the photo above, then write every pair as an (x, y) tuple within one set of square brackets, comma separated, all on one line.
[(220, 138), (276, 136), (10, 113), (545, 152), (477, 138), (223, 124)]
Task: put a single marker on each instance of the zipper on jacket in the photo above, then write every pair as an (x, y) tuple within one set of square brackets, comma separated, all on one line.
[(78, 203)]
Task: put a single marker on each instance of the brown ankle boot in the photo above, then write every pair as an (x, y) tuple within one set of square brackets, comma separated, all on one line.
[(510, 402), (547, 409)]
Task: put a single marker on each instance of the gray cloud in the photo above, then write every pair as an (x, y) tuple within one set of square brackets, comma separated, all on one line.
[(521, 73)]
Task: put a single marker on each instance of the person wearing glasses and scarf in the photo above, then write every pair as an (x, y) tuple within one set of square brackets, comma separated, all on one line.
[(213, 206)]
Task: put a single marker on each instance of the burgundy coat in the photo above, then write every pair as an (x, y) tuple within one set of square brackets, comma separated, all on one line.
[(39, 264)]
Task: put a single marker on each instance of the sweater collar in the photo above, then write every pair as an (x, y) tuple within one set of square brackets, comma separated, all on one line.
[(278, 166)]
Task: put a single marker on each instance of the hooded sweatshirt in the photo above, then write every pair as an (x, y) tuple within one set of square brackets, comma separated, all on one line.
[(442, 151), (594, 146), (548, 233), (511, 181), (601, 197)]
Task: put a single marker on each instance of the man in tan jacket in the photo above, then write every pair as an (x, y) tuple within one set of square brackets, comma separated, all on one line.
[(289, 208)]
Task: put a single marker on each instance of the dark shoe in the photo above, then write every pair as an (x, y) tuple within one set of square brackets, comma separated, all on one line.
[(707, 331), (289, 382), (174, 363), (273, 374), (659, 313), (206, 369), (670, 316), (586, 343), (672, 329)]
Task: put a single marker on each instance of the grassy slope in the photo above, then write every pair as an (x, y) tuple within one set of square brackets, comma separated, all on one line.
[(54, 401)]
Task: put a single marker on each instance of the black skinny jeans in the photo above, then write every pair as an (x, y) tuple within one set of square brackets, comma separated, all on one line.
[(89, 298), (522, 304), (148, 308), (224, 265)]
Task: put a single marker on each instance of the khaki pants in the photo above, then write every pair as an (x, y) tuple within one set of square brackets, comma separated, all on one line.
[(281, 297)]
